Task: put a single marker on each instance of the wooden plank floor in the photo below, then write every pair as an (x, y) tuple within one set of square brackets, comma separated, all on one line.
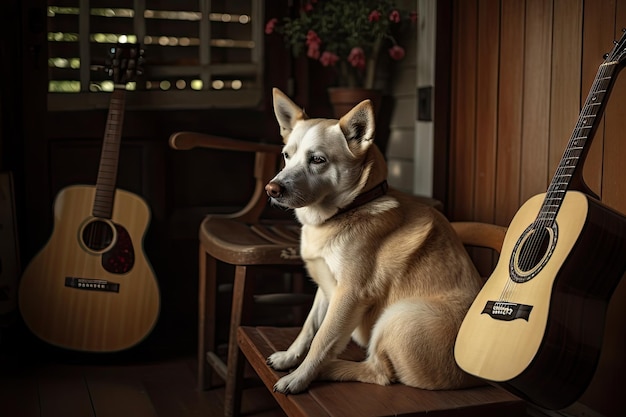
[(152, 380)]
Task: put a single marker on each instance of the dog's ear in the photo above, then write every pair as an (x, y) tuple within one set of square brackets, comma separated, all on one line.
[(358, 127), (287, 112)]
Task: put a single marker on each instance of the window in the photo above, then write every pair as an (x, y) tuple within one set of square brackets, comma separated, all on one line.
[(198, 53)]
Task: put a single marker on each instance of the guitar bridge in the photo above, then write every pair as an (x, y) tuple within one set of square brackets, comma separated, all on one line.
[(504, 310), (92, 284)]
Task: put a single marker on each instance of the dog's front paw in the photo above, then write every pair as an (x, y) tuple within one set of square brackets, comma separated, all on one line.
[(292, 383), (283, 360)]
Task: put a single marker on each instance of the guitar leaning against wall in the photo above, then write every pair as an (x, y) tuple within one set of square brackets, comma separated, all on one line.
[(91, 288), (536, 327)]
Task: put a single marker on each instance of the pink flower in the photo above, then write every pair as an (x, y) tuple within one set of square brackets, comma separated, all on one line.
[(313, 42), (313, 51), (374, 16), (270, 26), (308, 7), (396, 52), (357, 58), (329, 59), (394, 16), (312, 38), (413, 17)]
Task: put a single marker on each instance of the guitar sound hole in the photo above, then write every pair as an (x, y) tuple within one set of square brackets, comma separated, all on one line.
[(532, 251), (98, 235)]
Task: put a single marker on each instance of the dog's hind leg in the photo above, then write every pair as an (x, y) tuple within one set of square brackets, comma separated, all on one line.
[(411, 343), (373, 370)]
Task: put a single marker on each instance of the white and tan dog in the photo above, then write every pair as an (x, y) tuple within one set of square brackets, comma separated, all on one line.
[(391, 272)]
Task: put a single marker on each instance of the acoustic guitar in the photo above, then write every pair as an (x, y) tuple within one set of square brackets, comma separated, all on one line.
[(91, 287), (536, 327)]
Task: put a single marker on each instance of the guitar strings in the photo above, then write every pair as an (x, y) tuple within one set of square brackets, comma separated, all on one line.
[(98, 236)]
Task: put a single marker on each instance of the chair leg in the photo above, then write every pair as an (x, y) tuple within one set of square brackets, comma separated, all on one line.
[(207, 310), (243, 291), (299, 311)]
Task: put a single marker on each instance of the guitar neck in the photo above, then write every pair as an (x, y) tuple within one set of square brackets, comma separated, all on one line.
[(580, 141), (107, 172)]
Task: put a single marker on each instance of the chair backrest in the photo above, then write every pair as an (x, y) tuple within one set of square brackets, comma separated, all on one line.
[(265, 165)]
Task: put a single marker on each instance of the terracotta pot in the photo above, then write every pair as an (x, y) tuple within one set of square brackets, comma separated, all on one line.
[(343, 99)]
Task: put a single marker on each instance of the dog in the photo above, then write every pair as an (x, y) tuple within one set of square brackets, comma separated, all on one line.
[(391, 272)]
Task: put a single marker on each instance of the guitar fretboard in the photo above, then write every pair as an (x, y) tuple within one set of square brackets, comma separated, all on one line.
[(107, 172), (582, 135)]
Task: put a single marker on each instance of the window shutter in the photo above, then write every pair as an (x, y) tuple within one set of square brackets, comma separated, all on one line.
[(198, 53)]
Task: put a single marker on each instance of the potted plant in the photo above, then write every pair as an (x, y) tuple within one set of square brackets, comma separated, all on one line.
[(350, 36)]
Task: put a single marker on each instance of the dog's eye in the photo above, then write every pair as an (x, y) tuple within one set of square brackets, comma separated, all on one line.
[(317, 159), (285, 155)]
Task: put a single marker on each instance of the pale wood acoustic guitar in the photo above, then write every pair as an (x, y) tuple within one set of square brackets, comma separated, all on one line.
[(91, 287), (536, 327)]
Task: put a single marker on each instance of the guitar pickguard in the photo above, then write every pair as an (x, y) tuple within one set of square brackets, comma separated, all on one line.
[(121, 258)]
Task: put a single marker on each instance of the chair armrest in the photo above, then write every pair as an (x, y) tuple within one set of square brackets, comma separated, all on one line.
[(190, 140), (485, 235)]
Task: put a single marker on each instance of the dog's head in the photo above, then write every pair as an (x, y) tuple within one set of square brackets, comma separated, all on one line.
[(327, 162)]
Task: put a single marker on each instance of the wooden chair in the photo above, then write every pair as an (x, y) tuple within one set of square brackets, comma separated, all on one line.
[(360, 399), (249, 243)]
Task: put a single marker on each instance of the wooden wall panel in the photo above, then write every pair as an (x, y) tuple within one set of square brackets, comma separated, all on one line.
[(509, 110), (463, 108), (521, 70), (536, 103), (565, 91), (517, 87), (487, 109)]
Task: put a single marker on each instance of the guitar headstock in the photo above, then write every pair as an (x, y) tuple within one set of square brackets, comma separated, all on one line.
[(618, 54), (125, 63)]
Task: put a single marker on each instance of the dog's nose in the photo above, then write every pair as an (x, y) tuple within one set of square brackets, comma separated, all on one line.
[(274, 189)]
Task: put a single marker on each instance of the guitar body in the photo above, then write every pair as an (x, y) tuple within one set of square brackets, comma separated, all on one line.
[(540, 338), (102, 297)]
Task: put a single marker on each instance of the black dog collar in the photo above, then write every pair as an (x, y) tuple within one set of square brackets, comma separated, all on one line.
[(370, 195)]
